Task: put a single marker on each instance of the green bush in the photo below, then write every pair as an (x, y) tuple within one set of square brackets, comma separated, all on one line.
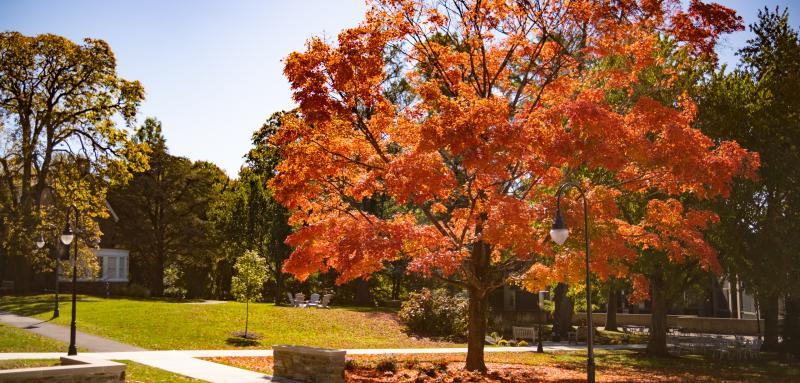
[(522, 343), (136, 291), (435, 313), (387, 365), (502, 343)]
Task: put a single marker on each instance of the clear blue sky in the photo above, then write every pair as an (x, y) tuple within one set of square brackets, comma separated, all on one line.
[(212, 69)]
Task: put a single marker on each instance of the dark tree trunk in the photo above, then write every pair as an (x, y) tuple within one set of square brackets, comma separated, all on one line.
[(657, 344), (21, 272), (562, 315), (791, 326), (158, 276), (478, 304), (770, 307), (246, 317), (611, 311), (363, 295), (278, 287)]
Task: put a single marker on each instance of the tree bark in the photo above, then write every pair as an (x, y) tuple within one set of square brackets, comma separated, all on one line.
[(562, 315), (278, 286), (770, 307), (611, 311), (246, 317), (791, 326), (476, 330), (158, 276), (657, 344)]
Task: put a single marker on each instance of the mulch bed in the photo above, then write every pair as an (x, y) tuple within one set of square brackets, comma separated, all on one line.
[(369, 369)]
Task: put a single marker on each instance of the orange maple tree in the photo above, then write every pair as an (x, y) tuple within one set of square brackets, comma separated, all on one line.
[(502, 100)]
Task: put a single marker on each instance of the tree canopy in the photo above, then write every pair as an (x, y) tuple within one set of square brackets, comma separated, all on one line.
[(501, 101), (58, 101)]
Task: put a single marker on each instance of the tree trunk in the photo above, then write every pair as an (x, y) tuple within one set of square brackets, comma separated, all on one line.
[(158, 276), (476, 330), (611, 311), (363, 295), (278, 286), (562, 315), (21, 269), (770, 307), (791, 326), (657, 344)]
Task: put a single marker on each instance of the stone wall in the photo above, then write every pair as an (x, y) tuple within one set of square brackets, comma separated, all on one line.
[(308, 364), (73, 369)]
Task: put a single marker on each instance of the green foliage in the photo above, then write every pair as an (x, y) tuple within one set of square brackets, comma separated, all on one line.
[(251, 272), (246, 216), (59, 101), (136, 290), (163, 218), (387, 365), (435, 313), (757, 105)]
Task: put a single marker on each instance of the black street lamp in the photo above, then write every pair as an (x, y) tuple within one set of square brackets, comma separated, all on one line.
[(559, 233), (539, 346), (40, 244), (67, 237)]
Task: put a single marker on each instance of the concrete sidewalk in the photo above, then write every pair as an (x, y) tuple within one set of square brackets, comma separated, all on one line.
[(61, 333)]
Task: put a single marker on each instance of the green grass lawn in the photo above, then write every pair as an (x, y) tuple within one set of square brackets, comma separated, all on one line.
[(139, 373), (14, 339), (162, 324), (27, 363)]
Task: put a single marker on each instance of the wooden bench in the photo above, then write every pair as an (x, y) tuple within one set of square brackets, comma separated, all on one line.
[(7, 287), (524, 333)]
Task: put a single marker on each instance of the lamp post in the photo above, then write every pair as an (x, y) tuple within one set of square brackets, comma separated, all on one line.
[(40, 244), (559, 233), (68, 237), (539, 346)]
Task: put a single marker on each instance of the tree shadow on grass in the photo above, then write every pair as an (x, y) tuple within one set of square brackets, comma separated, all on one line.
[(241, 342), (32, 305)]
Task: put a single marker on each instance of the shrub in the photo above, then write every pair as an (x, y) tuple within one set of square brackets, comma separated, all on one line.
[(387, 365), (351, 365), (136, 290), (522, 343), (435, 313), (502, 343)]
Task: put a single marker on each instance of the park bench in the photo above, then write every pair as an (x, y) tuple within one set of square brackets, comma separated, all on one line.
[(524, 333)]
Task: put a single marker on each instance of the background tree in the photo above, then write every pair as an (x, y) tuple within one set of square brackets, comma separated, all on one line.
[(57, 97), (509, 99), (247, 284), (163, 216), (757, 106)]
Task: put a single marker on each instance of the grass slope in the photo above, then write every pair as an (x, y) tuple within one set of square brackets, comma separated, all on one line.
[(14, 339), (139, 373), (162, 324)]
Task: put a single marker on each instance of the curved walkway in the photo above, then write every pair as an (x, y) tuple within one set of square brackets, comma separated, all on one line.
[(61, 333)]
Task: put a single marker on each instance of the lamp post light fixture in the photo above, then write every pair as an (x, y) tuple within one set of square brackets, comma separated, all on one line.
[(40, 244), (559, 233), (68, 237)]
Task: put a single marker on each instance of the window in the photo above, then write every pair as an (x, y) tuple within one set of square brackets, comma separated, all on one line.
[(113, 265)]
